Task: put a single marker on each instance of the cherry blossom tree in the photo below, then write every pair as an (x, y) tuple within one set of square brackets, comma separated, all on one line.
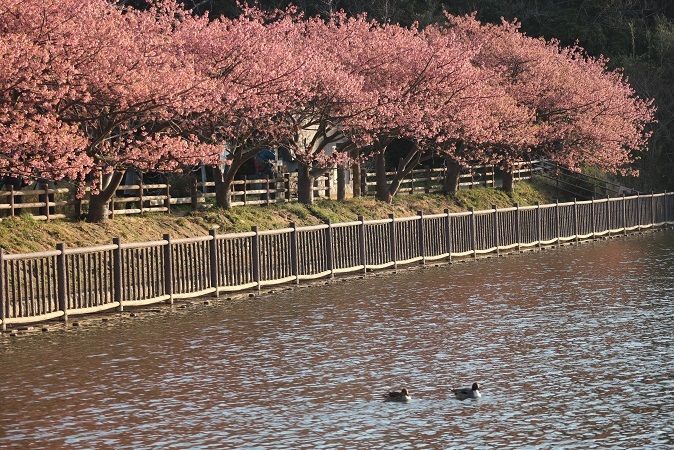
[(258, 70), (275, 85), (331, 95), (120, 85), (33, 141), (421, 87), (469, 107), (90, 89), (581, 111), (609, 126)]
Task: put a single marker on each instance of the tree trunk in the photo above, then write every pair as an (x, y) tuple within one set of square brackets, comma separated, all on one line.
[(222, 192), (452, 177), (405, 167), (507, 178), (395, 185), (305, 183), (341, 184), (355, 179), (383, 193), (224, 177), (98, 204), (223, 186), (355, 174)]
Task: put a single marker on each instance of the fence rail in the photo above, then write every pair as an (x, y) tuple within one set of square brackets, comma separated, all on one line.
[(47, 202), (65, 282), (580, 185), (430, 179)]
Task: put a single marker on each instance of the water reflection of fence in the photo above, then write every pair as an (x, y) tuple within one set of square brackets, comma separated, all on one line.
[(66, 282)]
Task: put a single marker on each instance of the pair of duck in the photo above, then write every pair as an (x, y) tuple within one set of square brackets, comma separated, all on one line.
[(461, 394)]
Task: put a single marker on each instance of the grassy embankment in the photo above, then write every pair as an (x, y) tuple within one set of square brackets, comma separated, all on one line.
[(24, 234)]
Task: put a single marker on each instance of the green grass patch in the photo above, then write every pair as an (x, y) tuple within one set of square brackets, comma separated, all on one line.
[(25, 234)]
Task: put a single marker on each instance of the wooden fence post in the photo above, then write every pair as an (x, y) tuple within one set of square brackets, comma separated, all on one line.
[(362, 243), (496, 230), (245, 190), (117, 273), (593, 216), (294, 261), (286, 186), (539, 231), (575, 220), (519, 172), (168, 268), (638, 212), (422, 249), (267, 197), (3, 313), (608, 214), (448, 235), (12, 202), (666, 207), (328, 186), (213, 244), (50, 209), (557, 223), (363, 183), (624, 208), (393, 243), (167, 200), (44, 198), (141, 193), (652, 209), (328, 249), (427, 187), (61, 279), (256, 257), (518, 228), (194, 197), (473, 234)]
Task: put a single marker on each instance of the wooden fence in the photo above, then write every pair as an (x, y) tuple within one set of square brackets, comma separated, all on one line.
[(71, 281), (46, 202), (430, 179)]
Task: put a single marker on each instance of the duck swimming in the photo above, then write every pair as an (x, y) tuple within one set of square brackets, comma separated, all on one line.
[(394, 396), (464, 393)]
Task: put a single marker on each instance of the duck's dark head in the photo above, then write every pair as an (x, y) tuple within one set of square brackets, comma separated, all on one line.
[(476, 387), (403, 391)]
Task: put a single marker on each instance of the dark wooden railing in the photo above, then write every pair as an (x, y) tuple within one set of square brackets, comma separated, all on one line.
[(430, 179), (46, 202), (72, 281), (580, 185)]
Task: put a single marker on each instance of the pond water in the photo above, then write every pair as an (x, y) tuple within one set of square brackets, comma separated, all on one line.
[(573, 347)]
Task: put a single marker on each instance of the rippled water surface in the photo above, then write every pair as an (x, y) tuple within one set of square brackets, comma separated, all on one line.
[(573, 347)]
